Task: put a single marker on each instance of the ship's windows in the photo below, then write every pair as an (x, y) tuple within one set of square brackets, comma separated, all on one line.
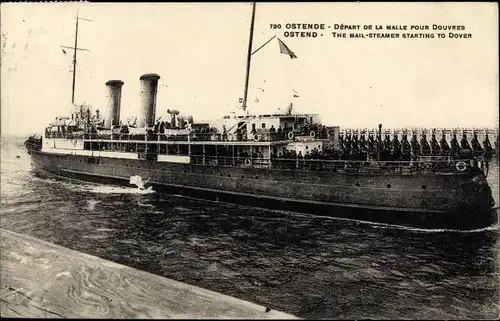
[(220, 174), (388, 185), (256, 177), (357, 184), (242, 176), (424, 187), (229, 175)]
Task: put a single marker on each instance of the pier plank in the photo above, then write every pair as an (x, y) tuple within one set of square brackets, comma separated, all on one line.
[(40, 279)]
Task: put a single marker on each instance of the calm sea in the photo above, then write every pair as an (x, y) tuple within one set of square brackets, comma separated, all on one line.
[(308, 266)]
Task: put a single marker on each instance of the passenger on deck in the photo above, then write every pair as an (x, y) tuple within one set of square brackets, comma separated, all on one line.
[(424, 145), (306, 130), (354, 146), (455, 147), (224, 133), (435, 149), (445, 148), (387, 142), (487, 144), (348, 140), (300, 157), (396, 148), (244, 134), (272, 133), (464, 143), (372, 145), (465, 149), (124, 130), (307, 157), (341, 140), (323, 133), (415, 147), (386, 146), (476, 147), (363, 147), (346, 148), (405, 148)]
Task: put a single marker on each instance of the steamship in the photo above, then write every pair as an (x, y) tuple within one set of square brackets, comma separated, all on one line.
[(283, 160)]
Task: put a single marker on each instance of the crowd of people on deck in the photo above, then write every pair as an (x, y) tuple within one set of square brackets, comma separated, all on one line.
[(207, 133), (361, 149)]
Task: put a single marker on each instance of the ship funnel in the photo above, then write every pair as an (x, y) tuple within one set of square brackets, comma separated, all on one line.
[(113, 96), (149, 88)]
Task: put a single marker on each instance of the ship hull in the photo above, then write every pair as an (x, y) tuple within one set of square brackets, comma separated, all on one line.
[(423, 201)]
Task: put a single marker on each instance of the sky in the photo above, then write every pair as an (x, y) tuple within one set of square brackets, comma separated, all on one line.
[(199, 50)]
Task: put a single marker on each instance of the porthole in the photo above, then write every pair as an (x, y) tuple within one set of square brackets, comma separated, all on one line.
[(357, 184), (229, 175), (242, 176), (388, 185), (256, 177), (424, 187)]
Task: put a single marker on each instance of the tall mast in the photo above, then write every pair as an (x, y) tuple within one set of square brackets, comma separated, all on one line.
[(75, 49), (249, 57), (74, 61)]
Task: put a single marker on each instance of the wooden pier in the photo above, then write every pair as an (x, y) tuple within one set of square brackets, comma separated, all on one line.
[(40, 279)]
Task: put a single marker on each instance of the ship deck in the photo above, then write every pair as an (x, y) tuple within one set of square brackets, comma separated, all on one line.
[(41, 279)]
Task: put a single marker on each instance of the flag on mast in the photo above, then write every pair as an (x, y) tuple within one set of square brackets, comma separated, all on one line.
[(285, 50)]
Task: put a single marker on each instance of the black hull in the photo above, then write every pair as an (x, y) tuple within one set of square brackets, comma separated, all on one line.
[(468, 216)]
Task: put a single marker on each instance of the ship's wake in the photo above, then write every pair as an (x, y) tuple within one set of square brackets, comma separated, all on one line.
[(89, 187), (140, 183)]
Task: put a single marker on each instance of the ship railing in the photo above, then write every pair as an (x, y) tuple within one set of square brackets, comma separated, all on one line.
[(193, 136), (255, 137), (345, 166), (259, 136), (254, 162)]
